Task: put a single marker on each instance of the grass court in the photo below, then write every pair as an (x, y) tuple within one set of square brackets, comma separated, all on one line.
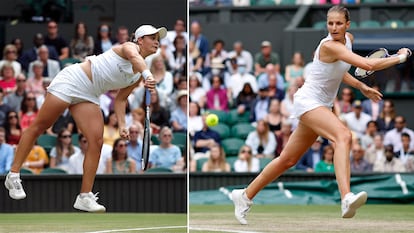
[(92, 223), (302, 218)]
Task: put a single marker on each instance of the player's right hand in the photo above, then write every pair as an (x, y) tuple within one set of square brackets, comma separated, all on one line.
[(405, 51), (124, 133)]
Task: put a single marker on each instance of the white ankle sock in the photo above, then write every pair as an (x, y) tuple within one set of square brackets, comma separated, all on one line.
[(14, 174), (82, 195)]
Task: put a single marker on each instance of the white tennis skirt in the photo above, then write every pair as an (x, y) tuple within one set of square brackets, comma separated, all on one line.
[(73, 86)]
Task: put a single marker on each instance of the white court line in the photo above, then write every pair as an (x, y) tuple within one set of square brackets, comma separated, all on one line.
[(220, 230), (138, 229)]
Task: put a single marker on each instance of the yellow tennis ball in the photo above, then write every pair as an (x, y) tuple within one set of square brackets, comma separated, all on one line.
[(212, 120)]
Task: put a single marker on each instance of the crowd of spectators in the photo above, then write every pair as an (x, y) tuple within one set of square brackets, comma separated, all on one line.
[(25, 73), (253, 84)]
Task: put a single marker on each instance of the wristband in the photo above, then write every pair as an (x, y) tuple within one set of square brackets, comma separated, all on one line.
[(402, 57), (146, 74)]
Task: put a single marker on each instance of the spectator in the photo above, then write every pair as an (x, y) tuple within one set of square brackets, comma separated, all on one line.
[(18, 43), (387, 116), (76, 160), (65, 121), (166, 155), (10, 56), (53, 38), (8, 79), (164, 78), (373, 108), (218, 53), (270, 71), (406, 151), (264, 57), (274, 91), (245, 161), (12, 128), (245, 99), (239, 53), (36, 160), (138, 117), (120, 163), (356, 119), (110, 129), (216, 161), (50, 67), (283, 135), (217, 96), (358, 163), (134, 146), (168, 43), (200, 41), (286, 106), (274, 118), (376, 151), (197, 93), (178, 118), (35, 83), (205, 139), (295, 69), (344, 104), (239, 78), (122, 35), (32, 53), (160, 116), (63, 150), (262, 141), (6, 153), (195, 120), (389, 163), (195, 59), (367, 139), (14, 99), (393, 136), (107, 101), (28, 110), (82, 43), (177, 61), (326, 164), (311, 157), (260, 105), (4, 108), (103, 40)]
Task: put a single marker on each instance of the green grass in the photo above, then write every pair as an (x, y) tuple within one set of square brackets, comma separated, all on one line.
[(300, 218), (87, 222)]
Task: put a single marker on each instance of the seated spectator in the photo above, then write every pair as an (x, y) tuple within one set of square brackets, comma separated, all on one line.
[(217, 96), (270, 71), (393, 136), (356, 119), (8, 78), (197, 93), (295, 69), (264, 57), (177, 61), (406, 151), (35, 83), (64, 149), (65, 121), (286, 105), (195, 120), (368, 138), (178, 118), (110, 129), (373, 108), (36, 160), (82, 43), (6, 153), (104, 40), (274, 91), (240, 53), (326, 164), (120, 163), (134, 146), (245, 161), (138, 117), (160, 116), (376, 151), (75, 165), (239, 78), (12, 129), (344, 103), (166, 155), (28, 110), (205, 139), (50, 66), (163, 77), (262, 141), (274, 118), (15, 98), (53, 38), (4, 108), (389, 163), (283, 135), (358, 163), (10, 56), (386, 117), (245, 99), (311, 157), (216, 161), (260, 105)]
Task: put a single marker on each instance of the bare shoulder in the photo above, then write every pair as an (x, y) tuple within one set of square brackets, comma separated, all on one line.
[(351, 37)]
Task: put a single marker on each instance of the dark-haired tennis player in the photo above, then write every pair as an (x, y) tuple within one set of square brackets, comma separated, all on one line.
[(312, 106)]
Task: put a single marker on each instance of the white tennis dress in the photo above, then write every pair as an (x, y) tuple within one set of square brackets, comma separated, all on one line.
[(109, 72), (322, 84)]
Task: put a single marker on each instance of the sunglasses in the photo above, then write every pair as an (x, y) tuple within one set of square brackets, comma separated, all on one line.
[(20, 80), (30, 98), (133, 131), (84, 141), (122, 145), (167, 135), (11, 51), (12, 116), (66, 136), (246, 151)]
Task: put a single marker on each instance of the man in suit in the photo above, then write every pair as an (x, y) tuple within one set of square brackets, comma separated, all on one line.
[(50, 67)]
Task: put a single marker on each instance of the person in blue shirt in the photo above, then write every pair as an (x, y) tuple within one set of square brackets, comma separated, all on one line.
[(166, 155), (6, 153), (134, 146)]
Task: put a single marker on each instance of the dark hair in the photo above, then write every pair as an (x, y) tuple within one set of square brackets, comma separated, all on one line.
[(23, 105), (115, 155), (59, 146), (341, 9), (405, 135), (77, 37)]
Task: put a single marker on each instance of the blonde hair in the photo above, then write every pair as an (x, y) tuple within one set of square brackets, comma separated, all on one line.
[(221, 160)]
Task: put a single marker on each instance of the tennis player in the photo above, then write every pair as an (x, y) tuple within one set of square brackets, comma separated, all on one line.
[(78, 88), (313, 107)]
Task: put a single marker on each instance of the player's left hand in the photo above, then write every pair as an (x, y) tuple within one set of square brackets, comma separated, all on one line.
[(371, 93), (150, 84)]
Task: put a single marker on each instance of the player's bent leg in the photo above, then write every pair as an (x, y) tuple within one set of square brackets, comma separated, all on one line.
[(51, 109)]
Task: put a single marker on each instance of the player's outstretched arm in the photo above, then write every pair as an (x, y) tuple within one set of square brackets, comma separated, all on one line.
[(367, 91)]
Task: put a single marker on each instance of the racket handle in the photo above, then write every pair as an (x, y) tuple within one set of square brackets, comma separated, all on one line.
[(147, 97)]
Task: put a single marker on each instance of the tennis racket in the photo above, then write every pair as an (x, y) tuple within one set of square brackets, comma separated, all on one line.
[(147, 135), (378, 53)]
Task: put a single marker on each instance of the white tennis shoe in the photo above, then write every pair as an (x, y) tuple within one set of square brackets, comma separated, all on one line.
[(242, 205), (352, 202), (14, 184), (87, 202)]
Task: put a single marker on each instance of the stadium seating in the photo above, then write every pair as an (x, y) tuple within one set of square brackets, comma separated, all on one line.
[(232, 146), (25, 171), (222, 129), (155, 140), (234, 117), (394, 23), (373, 1), (241, 130), (53, 170), (353, 25), (75, 140), (199, 163), (222, 115), (319, 25), (410, 24), (264, 162), (47, 142), (369, 24), (158, 170), (231, 160)]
